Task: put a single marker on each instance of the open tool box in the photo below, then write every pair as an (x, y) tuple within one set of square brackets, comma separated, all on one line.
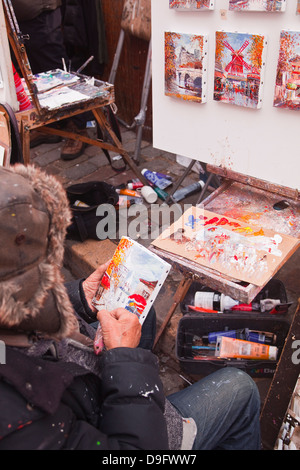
[(196, 325)]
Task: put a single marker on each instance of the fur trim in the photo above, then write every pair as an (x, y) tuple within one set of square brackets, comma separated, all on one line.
[(55, 198)]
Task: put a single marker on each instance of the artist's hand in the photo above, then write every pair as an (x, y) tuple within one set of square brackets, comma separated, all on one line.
[(120, 328), (91, 283)]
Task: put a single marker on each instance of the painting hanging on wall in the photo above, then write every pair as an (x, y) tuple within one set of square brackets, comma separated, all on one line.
[(186, 66), (287, 87), (196, 5), (239, 68), (257, 5)]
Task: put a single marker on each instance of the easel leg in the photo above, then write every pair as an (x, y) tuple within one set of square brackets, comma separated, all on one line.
[(25, 138), (178, 297), (281, 388), (141, 117), (178, 183)]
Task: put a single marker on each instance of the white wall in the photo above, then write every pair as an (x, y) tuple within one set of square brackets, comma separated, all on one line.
[(263, 143)]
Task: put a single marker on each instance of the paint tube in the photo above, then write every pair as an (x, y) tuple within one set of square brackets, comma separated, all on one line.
[(187, 191), (128, 192), (161, 193), (156, 179), (214, 301), (244, 334), (237, 348), (78, 203)]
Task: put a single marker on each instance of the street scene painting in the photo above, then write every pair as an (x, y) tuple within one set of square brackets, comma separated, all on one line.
[(186, 66), (197, 5), (239, 67), (287, 87), (257, 5)]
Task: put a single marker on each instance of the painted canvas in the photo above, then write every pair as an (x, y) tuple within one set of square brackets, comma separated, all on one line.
[(257, 5), (132, 280), (244, 252), (197, 5), (186, 66), (287, 86), (239, 68)]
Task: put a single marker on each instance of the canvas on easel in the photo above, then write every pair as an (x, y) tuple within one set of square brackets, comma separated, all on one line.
[(191, 5), (186, 66), (288, 71), (257, 5), (239, 68)]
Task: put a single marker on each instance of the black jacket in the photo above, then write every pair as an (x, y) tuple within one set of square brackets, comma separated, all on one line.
[(49, 404)]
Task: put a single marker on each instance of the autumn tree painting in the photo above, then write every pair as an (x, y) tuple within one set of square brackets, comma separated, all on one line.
[(287, 87), (191, 4), (257, 5), (185, 69)]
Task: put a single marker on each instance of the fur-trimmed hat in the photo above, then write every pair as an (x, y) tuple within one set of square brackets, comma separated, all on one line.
[(34, 215)]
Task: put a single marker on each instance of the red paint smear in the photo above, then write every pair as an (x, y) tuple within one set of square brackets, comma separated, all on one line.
[(222, 221)]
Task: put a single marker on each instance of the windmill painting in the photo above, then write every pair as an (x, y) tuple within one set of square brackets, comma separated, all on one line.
[(239, 66), (257, 5), (186, 66), (287, 87), (196, 5)]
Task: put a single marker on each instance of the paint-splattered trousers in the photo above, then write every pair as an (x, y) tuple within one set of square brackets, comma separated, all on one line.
[(225, 406)]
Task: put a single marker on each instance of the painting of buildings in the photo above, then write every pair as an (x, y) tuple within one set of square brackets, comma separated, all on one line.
[(132, 279), (239, 66), (197, 5), (287, 87), (257, 5), (185, 66)]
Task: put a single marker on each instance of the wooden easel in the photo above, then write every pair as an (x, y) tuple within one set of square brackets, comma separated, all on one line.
[(39, 117), (130, 28)]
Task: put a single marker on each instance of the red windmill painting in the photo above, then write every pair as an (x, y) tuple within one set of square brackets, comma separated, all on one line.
[(239, 65)]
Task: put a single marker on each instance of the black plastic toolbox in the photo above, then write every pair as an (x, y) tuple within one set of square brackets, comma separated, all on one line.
[(196, 324)]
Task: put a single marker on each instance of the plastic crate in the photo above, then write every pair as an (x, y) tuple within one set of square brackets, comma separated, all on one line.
[(194, 324)]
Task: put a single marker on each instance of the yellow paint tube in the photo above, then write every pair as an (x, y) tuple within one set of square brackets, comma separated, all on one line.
[(237, 348)]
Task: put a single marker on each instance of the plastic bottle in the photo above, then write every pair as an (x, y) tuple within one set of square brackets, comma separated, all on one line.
[(156, 179), (187, 191)]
